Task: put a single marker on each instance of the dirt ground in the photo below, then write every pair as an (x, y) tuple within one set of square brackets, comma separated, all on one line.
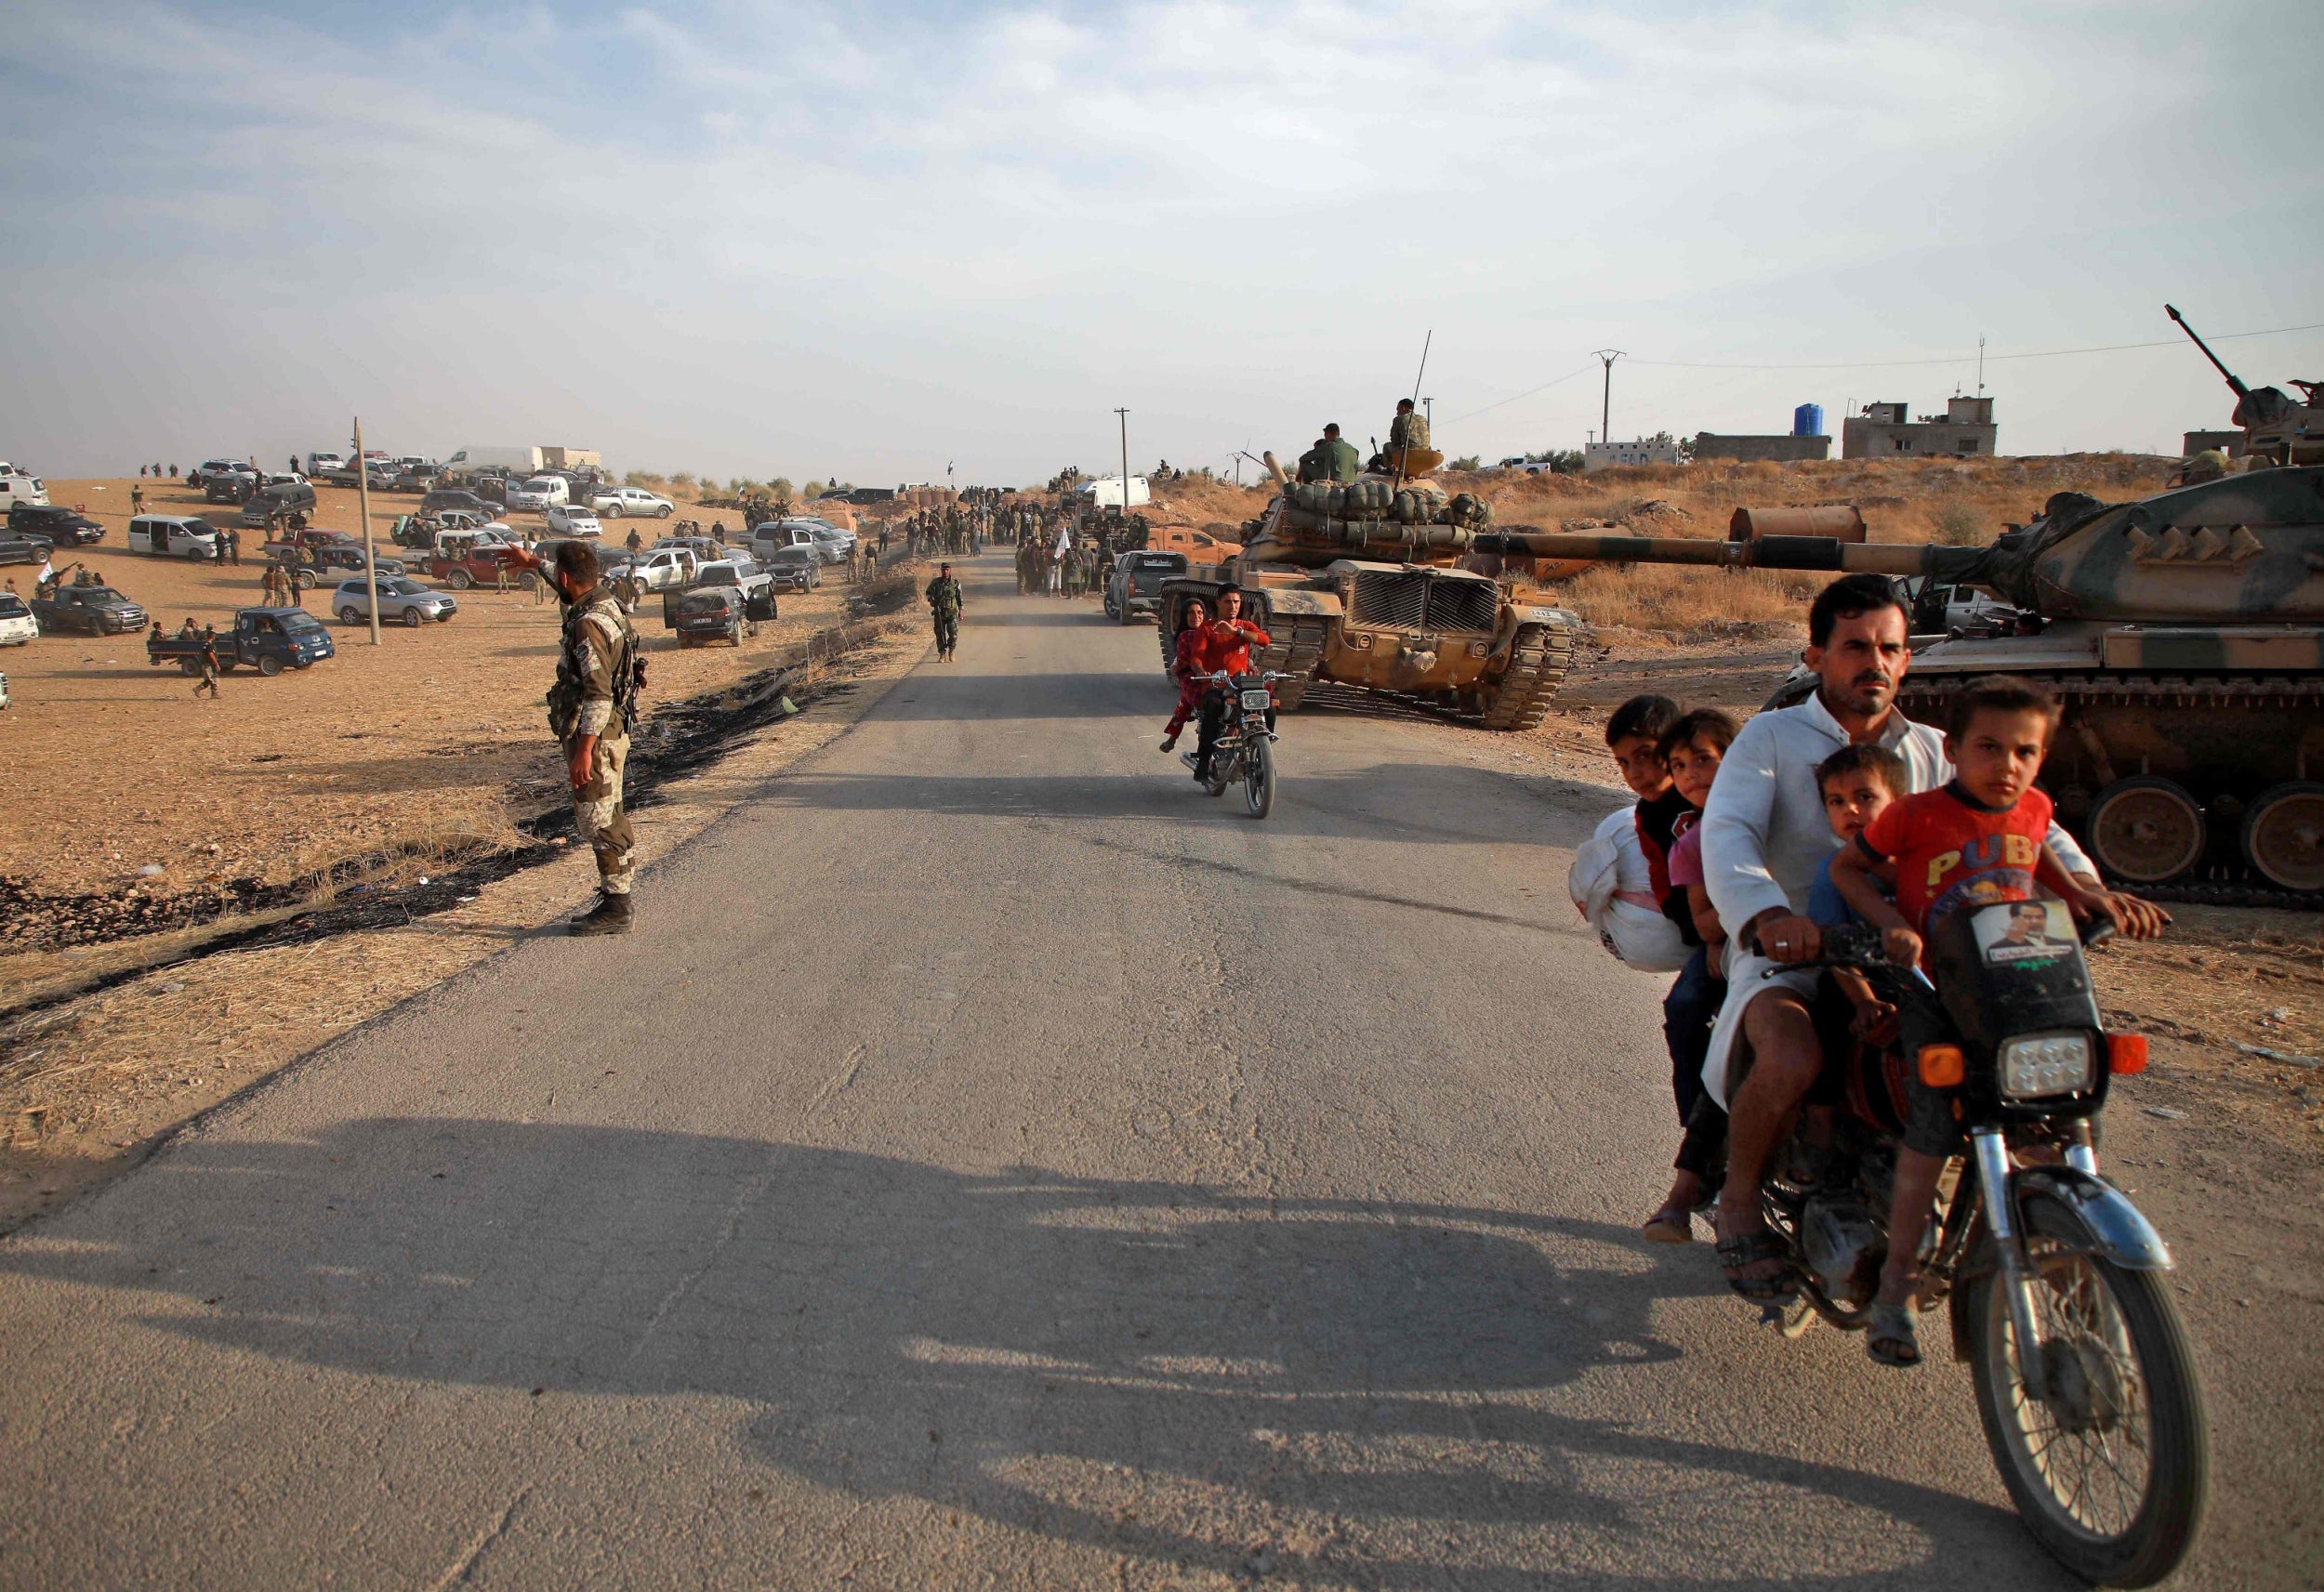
[(426, 745)]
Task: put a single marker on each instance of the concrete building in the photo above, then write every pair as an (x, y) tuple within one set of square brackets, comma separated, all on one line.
[(1659, 449), (2228, 442), (1882, 431), (1711, 445)]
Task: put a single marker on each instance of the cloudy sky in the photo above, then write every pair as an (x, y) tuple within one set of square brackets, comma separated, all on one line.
[(869, 238)]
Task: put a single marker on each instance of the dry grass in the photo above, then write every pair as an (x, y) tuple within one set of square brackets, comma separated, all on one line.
[(1687, 605)]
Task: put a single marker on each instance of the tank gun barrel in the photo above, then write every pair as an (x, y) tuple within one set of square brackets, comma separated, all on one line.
[(1759, 553), (2233, 381)]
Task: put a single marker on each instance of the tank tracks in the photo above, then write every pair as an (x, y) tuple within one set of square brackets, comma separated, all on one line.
[(2208, 883), (1537, 661)]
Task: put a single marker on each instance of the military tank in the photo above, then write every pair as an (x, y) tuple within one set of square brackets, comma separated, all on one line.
[(1360, 584), (2184, 634)]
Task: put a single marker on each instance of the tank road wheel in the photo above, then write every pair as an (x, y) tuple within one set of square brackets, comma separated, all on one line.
[(2283, 835), (2145, 830), (1538, 661)]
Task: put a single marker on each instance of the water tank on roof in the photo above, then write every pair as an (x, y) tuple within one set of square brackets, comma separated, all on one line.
[(1808, 420)]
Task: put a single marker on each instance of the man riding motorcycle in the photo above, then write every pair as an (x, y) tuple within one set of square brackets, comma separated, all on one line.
[(1225, 647)]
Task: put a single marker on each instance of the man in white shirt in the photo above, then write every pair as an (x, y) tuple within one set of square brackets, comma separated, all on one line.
[(1765, 835)]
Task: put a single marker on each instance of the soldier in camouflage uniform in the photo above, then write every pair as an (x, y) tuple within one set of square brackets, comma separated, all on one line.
[(1408, 429), (944, 605), (600, 671)]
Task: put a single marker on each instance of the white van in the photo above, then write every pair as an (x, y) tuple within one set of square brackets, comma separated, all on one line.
[(173, 536), (16, 489)]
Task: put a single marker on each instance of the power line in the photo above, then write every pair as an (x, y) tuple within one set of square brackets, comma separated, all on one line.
[(1545, 387)]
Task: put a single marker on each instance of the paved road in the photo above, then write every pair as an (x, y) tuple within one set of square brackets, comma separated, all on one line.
[(993, 1163)]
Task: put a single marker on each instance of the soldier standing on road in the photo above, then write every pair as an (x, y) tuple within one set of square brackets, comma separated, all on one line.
[(601, 671), (210, 662), (944, 605)]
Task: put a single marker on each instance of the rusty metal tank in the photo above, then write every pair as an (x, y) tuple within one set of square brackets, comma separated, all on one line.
[(2184, 634), (1359, 584)]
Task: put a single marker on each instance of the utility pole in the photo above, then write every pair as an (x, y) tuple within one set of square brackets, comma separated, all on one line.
[(362, 502), (1605, 409), (1427, 407), (1981, 364), (1123, 413)]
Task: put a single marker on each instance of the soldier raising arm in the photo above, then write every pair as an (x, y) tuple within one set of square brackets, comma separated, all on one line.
[(600, 671)]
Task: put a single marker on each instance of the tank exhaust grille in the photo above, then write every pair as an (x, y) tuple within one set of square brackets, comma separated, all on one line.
[(1463, 605), (1399, 602)]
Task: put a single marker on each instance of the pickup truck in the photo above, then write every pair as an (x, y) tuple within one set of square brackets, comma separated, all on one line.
[(89, 610), (1134, 584), (659, 569), (739, 574), (263, 638), (461, 567), (328, 560)]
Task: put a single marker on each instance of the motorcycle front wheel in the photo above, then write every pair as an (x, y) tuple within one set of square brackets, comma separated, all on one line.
[(1259, 777), (2109, 1472)]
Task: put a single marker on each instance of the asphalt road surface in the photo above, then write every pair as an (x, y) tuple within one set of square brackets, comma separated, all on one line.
[(992, 1162)]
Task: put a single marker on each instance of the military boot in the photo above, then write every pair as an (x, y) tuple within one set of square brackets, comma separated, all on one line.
[(610, 916)]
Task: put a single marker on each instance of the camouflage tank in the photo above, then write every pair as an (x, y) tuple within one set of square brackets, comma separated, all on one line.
[(2184, 634), (1359, 584)]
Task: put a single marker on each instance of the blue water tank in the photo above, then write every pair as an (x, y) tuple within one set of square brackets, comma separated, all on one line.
[(1808, 420)]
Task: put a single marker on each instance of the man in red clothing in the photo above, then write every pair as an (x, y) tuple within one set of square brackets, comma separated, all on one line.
[(1225, 648)]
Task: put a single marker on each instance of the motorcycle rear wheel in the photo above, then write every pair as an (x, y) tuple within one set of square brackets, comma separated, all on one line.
[(2110, 1476), (1259, 777)]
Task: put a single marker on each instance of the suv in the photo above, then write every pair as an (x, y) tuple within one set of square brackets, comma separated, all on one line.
[(268, 504), (59, 525), (400, 598), (709, 613), (744, 575), (798, 569), (1134, 586), (440, 499)]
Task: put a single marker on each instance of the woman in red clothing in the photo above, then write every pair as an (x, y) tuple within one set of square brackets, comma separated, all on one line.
[(1187, 663)]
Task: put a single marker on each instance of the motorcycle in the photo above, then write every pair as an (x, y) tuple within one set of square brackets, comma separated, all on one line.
[(1245, 752), (2085, 1384)]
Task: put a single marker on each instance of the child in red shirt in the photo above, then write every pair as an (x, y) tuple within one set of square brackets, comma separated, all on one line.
[(1978, 840), (1187, 663)]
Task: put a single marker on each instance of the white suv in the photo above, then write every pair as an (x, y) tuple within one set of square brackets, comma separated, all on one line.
[(572, 520), (613, 502)]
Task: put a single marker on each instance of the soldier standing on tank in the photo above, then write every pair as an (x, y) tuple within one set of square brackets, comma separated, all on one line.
[(601, 671), (943, 606)]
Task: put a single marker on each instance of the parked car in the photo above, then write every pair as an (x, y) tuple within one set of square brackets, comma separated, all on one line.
[(229, 486), (613, 502), (709, 613), (16, 489), (266, 639), (400, 598), (173, 536), (59, 525), (291, 504), (24, 549), (200, 475), (413, 477), (441, 498), (743, 574), (87, 610), (794, 569), (572, 520), (1954, 609), (537, 493), (1134, 584), (16, 624), (322, 563), (318, 463)]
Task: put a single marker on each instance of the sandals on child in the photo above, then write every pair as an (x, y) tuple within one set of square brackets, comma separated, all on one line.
[(1749, 1249), (1891, 1337), (1673, 1223)]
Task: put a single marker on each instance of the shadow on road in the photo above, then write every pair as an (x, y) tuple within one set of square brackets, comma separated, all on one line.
[(1158, 1369)]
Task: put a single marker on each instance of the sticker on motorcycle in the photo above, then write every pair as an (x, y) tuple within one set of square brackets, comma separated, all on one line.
[(2025, 932)]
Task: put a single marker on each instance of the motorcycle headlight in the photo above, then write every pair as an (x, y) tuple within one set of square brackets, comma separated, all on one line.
[(1257, 702), (2045, 1064)]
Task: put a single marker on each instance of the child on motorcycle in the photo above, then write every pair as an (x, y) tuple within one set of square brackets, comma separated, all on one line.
[(1185, 663), (1691, 751), (1974, 841)]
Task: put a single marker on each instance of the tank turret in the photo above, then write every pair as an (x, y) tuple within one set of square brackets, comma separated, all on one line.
[(2275, 429), (2182, 633)]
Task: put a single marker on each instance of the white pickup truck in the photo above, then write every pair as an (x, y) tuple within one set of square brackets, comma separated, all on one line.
[(659, 569)]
